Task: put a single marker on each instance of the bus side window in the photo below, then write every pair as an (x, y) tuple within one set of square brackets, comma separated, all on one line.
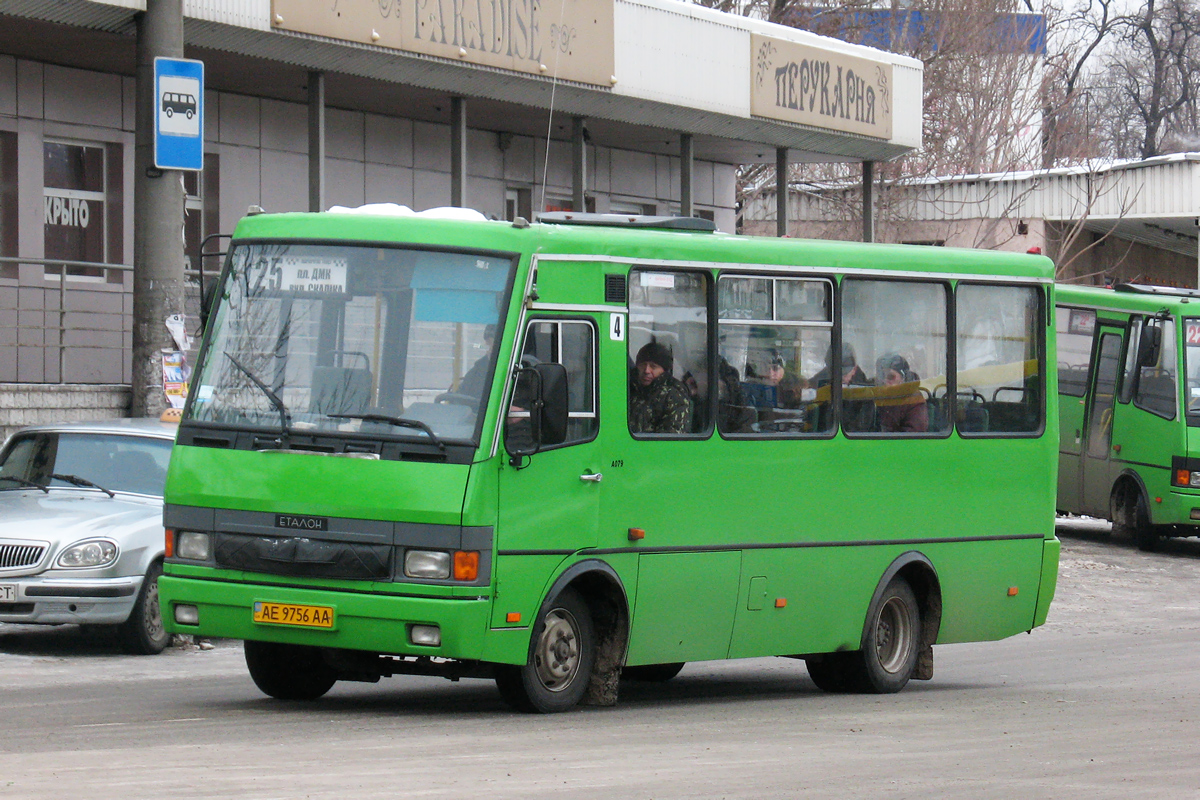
[(1075, 328), (1156, 382), (895, 328), (999, 358), (668, 338), (571, 343)]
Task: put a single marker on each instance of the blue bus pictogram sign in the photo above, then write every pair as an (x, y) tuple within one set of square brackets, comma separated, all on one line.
[(178, 113)]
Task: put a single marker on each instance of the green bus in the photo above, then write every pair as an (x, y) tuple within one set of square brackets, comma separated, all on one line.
[(597, 447), (1129, 388)]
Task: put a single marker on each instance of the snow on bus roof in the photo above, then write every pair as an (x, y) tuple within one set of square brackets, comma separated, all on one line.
[(397, 210)]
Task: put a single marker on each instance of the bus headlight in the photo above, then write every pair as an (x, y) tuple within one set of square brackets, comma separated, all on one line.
[(95, 553), (192, 545), (426, 635), (427, 564)]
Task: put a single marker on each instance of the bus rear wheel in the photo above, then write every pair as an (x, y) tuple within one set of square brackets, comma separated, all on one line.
[(560, 663), (289, 671), (892, 640)]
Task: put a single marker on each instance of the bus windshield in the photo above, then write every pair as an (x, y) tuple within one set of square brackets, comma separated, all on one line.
[(1192, 365), (387, 341)]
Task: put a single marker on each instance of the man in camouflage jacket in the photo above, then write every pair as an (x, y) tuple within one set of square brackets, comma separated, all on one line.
[(658, 402)]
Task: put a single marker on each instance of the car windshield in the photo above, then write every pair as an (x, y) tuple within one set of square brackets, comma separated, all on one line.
[(390, 341), (118, 463)]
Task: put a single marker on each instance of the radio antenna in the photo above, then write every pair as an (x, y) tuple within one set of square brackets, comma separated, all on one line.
[(562, 10)]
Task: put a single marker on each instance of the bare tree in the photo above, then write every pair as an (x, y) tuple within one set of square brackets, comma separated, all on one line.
[(1145, 96)]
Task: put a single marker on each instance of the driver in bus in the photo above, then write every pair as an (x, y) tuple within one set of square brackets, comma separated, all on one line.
[(658, 401)]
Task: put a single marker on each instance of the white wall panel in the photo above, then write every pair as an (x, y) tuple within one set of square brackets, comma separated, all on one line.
[(242, 13), (675, 57)]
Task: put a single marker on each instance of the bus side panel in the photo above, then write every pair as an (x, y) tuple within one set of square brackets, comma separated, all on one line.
[(684, 610), (989, 589), (1070, 439), (805, 600)]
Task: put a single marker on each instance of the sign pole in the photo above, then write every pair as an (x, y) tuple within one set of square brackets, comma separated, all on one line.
[(158, 208)]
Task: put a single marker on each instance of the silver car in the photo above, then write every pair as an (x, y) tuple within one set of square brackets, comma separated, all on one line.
[(81, 536)]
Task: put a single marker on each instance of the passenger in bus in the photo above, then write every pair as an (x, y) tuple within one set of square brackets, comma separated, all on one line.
[(901, 409), (731, 404), (658, 401), (852, 374), (773, 388), (857, 414)]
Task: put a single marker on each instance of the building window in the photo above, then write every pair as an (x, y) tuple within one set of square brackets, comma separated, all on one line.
[(81, 204), (8, 202), (202, 214)]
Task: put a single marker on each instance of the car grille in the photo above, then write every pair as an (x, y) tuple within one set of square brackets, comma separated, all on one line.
[(14, 556)]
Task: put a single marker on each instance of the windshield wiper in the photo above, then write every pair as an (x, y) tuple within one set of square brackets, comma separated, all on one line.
[(23, 482), (78, 481), (399, 422), (285, 419)]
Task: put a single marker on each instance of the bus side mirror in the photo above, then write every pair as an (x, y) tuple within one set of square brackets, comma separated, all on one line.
[(538, 414), (1149, 345)]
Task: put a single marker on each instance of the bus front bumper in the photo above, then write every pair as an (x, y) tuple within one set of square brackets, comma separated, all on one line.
[(380, 623)]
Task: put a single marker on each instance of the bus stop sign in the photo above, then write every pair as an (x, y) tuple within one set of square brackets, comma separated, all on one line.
[(178, 113)]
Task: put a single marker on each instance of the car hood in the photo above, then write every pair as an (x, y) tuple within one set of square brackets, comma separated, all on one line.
[(66, 516)]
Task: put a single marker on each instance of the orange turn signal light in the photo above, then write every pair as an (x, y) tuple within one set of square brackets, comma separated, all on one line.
[(1183, 477), (512, 616), (1012, 591), (466, 565), (168, 542), (781, 602), (636, 534)]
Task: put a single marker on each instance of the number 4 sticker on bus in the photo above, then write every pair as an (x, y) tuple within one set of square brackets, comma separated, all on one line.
[(616, 327)]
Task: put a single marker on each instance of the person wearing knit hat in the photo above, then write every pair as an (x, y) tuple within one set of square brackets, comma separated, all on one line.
[(658, 402)]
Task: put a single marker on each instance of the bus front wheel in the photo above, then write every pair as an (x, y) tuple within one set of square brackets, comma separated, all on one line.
[(1131, 518), (289, 671), (560, 661)]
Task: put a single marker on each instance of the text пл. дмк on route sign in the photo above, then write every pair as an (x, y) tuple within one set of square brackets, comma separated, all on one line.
[(178, 113)]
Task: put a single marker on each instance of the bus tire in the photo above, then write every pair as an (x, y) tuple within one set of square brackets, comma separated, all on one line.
[(1130, 517), (652, 673), (891, 640), (560, 663), (834, 673), (289, 671)]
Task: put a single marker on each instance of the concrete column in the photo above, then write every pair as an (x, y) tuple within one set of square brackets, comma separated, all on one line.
[(458, 151), (686, 172), (316, 141), (158, 207), (781, 190), (578, 164), (868, 208)]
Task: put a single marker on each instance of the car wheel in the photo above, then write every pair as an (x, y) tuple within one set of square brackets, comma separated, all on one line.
[(289, 671), (143, 633), (560, 663)]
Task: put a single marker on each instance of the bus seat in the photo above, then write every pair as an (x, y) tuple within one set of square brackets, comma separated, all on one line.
[(340, 390)]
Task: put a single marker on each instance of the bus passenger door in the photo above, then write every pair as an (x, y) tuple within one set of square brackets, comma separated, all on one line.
[(549, 503), (1097, 442)]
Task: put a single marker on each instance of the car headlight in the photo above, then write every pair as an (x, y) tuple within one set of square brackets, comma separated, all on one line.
[(192, 545), (427, 564), (93, 553)]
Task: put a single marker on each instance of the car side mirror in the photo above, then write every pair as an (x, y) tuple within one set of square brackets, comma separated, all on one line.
[(537, 415)]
